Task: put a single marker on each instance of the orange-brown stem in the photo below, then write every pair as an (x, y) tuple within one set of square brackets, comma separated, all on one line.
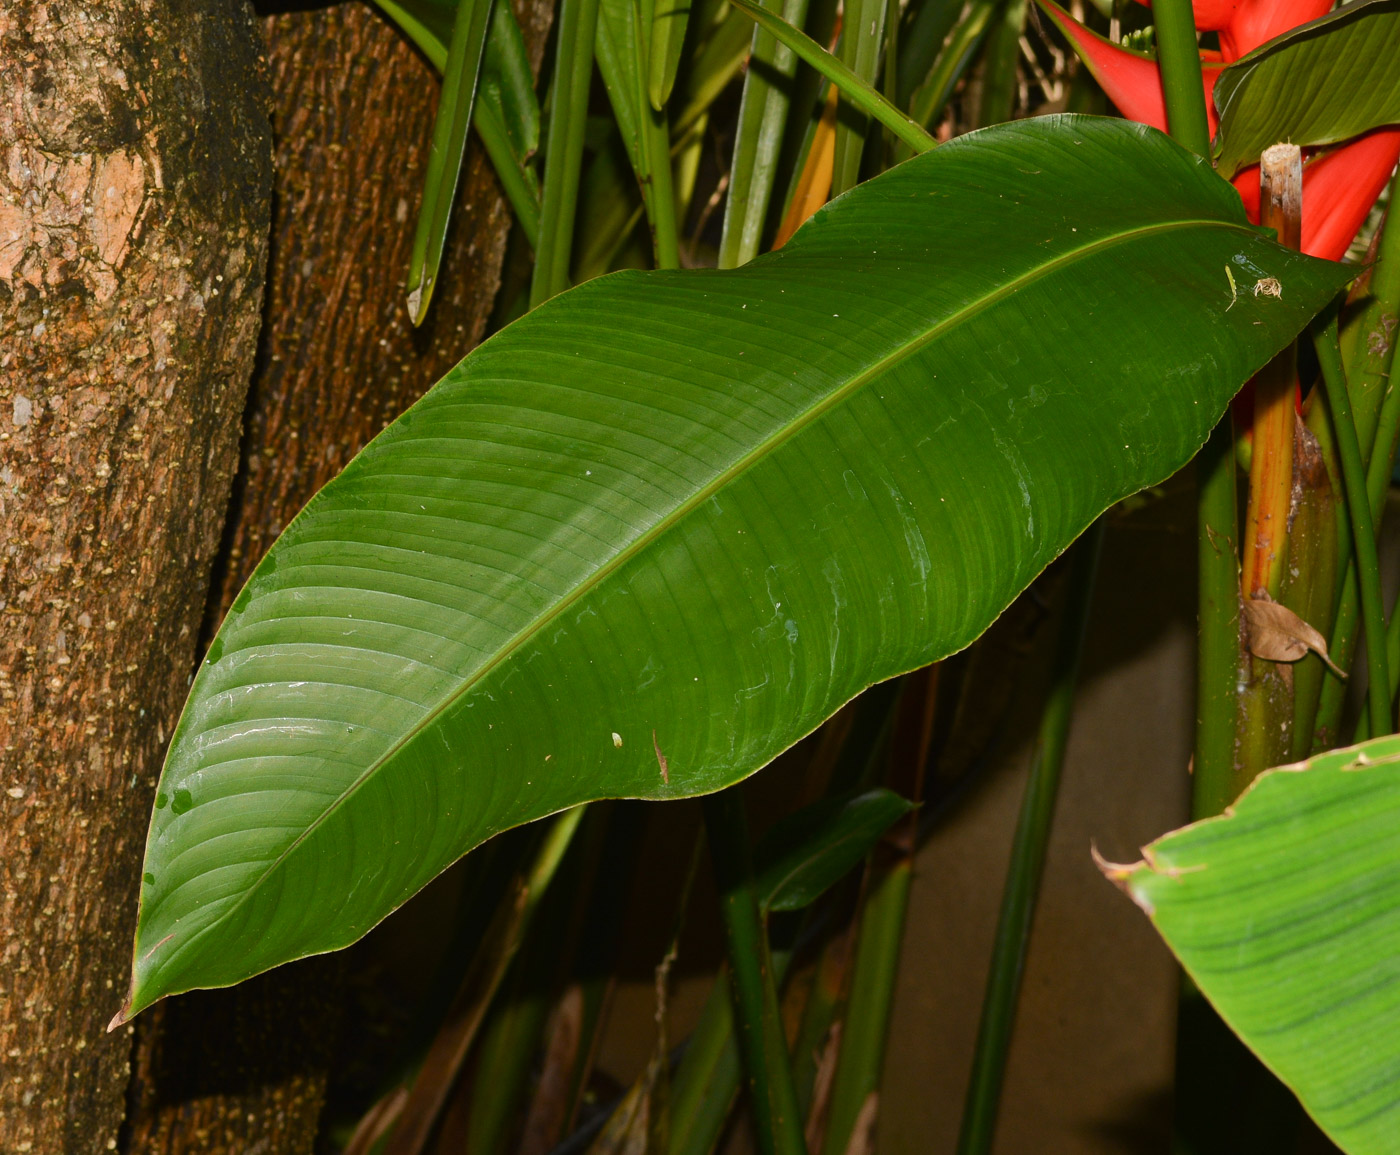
[(1275, 387)]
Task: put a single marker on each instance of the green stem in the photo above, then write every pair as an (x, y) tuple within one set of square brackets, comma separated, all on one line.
[(709, 1075), (1329, 357), (1179, 59), (751, 967), (1368, 371), (463, 1020), (763, 112), (1028, 858), (932, 21), (461, 71), (1217, 529), (573, 73), (859, 92), (661, 190), (1001, 64), (862, 29), (865, 1027), (932, 96), (1368, 341), (1218, 642), (515, 181)]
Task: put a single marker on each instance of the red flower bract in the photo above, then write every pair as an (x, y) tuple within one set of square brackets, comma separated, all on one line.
[(1339, 184)]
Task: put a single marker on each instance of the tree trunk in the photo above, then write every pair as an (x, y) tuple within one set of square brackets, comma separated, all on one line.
[(134, 189), (245, 1070)]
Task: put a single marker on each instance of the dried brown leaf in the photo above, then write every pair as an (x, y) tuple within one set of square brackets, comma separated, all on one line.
[(1277, 634)]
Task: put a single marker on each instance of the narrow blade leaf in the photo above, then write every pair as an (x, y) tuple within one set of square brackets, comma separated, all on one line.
[(454, 115), (667, 39), (860, 93), (1286, 912), (1326, 81), (646, 537), (809, 851)]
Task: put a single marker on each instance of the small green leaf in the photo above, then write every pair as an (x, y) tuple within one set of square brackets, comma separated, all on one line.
[(507, 111), (1323, 82), (810, 850), (667, 39), (860, 93), (454, 115), (1286, 912), (648, 536), (507, 117)]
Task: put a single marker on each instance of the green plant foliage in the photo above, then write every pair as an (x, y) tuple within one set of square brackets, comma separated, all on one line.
[(1286, 912), (1317, 84), (811, 849), (648, 536), (667, 39), (506, 114), (459, 78)]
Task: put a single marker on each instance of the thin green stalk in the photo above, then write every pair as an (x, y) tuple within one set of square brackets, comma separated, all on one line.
[(763, 111), (1218, 642), (1179, 60), (751, 968), (932, 96), (708, 1077), (1368, 372), (454, 116), (1001, 64), (1028, 858), (1329, 357), (928, 23), (660, 191), (865, 1027), (504, 66), (462, 1023), (809, 92), (890, 78), (862, 31), (573, 73), (516, 182), (1217, 538), (857, 91), (714, 65), (1368, 340)]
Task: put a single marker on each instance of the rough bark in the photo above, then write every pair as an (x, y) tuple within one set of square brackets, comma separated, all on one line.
[(134, 192), (245, 1070), (353, 120)]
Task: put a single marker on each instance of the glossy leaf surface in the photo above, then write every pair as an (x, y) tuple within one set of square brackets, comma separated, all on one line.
[(647, 537), (810, 850), (1286, 912), (1327, 81)]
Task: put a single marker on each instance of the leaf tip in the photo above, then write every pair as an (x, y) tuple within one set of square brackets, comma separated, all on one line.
[(1120, 874), (417, 302)]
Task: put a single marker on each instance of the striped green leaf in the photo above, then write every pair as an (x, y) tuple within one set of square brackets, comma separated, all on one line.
[(1286, 912)]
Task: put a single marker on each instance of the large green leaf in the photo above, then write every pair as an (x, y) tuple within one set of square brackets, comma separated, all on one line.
[(1326, 81), (651, 534), (1286, 912)]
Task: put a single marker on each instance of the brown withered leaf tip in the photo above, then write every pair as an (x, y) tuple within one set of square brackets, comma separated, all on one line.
[(1277, 634), (661, 760)]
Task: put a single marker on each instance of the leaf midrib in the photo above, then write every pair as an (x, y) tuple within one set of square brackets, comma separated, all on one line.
[(739, 467)]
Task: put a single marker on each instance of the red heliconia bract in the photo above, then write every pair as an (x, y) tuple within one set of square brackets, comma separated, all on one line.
[(1129, 78), (1245, 24), (1340, 184), (1339, 187)]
